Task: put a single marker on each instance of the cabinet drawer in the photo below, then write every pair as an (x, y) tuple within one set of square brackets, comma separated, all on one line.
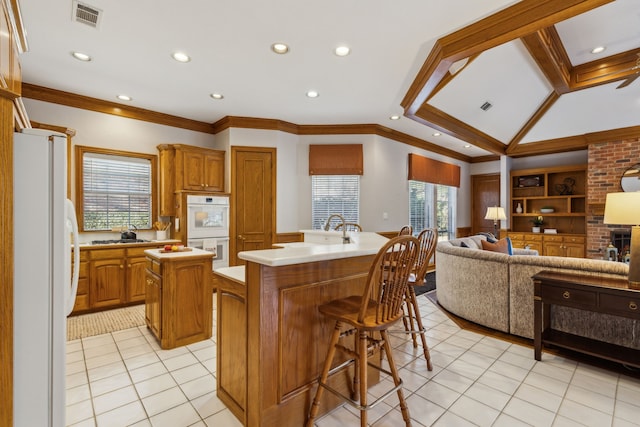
[(553, 238), (154, 266), (516, 236), (533, 238), (622, 305), (107, 253), (131, 252), (570, 297), (573, 239)]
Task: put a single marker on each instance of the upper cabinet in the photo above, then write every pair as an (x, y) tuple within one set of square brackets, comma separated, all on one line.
[(188, 168)]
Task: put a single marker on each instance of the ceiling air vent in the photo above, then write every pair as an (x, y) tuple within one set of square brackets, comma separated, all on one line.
[(486, 106), (86, 14)]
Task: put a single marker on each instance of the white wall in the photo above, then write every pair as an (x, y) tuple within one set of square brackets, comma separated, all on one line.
[(384, 185)]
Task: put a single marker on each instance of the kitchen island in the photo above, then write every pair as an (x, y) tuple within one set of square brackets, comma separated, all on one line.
[(178, 299), (271, 339)]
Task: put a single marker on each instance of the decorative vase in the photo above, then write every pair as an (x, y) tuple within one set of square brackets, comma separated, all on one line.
[(519, 208), (535, 229)]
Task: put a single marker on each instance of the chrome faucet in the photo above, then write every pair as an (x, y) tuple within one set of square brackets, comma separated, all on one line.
[(345, 238)]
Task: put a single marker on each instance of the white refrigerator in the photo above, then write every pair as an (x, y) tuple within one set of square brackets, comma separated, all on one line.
[(44, 285)]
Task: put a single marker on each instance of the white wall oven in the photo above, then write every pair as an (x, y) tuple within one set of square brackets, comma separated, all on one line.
[(208, 226)]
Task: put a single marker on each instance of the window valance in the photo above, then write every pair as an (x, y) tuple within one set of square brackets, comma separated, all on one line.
[(432, 171), (333, 159)]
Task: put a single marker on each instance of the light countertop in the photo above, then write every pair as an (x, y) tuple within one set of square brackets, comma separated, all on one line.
[(235, 273), (158, 254), (314, 249)]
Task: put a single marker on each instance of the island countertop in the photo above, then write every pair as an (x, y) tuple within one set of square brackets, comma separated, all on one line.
[(161, 255), (318, 246)]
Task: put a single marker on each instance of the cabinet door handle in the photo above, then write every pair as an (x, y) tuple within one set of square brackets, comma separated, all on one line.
[(566, 295), (633, 305), (121, 266), (129, 265)]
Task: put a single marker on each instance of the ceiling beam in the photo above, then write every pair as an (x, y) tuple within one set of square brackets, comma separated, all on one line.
[(547, 50), (546, 105), (605, 70)]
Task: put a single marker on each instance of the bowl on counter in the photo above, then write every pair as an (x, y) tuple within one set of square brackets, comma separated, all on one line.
[(546, 210)]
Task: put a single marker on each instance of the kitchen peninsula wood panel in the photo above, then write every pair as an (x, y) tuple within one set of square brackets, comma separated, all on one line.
[(273, 327)]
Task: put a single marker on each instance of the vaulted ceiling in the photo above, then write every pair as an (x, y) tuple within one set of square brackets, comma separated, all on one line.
[(433, 63)]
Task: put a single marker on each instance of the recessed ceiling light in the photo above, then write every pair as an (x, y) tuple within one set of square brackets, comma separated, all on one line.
[(437, 134), (216, 96), (81, 56), (342, 50), (467, 145), (394, 117), (598, 49), (180, 57), (280, 48), (313, 94), (124, 98)]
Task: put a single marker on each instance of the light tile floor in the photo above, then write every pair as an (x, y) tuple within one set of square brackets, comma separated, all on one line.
[(123, 378)]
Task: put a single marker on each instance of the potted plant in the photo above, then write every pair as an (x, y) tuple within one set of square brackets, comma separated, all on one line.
[(537, 222)]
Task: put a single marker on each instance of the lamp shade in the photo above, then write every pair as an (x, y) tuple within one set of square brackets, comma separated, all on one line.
[(495, 213), (622, 208)]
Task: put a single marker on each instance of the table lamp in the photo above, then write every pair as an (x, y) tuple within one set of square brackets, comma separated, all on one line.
[(495, 213), (624, 209)]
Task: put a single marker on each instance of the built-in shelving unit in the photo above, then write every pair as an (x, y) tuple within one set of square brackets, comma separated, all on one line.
[(557, 194)]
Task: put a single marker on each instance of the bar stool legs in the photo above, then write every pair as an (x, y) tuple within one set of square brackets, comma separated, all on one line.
[(413, 314), (360, 398)]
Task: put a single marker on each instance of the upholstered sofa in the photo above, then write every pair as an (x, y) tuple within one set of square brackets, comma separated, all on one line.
[(496, 290)]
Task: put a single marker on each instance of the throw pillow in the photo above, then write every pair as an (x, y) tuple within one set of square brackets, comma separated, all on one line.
[(490, 237), (502, 246)]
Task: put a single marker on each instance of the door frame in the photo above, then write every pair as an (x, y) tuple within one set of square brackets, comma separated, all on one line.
[(233, 259), (474, 204)]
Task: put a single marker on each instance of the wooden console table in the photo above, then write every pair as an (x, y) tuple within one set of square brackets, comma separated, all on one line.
[(597, 294)]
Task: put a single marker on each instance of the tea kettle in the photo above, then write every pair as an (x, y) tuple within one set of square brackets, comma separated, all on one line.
[(129, 235)]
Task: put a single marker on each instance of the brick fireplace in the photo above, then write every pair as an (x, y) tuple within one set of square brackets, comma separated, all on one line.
[(606, 163)]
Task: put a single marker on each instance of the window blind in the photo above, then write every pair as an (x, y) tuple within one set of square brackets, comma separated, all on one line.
[(432, 171), (332, 159), (116, 191), (333, 194)]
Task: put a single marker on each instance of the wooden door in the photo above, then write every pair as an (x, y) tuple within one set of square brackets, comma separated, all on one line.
[(193, 170), (485, 192), (107, 282), (136, 281), (253, 209), (214, 171)]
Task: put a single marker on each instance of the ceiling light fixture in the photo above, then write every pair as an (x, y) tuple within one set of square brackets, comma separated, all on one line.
[(394, 117), (124, 98), (342, 50), (81, 56), (180, 57), (467, 145), (598, 49), (437, 134), (313, 94), (280, 48), (216, 96)]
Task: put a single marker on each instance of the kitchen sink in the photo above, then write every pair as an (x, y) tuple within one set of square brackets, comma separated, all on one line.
[(108, 242)]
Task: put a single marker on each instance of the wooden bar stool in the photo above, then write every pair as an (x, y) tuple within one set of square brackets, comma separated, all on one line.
[(368, 317), (412, 319)]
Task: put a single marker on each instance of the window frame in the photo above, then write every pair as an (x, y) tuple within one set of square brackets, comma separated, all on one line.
[(323, 219), (431, 216), (81, 150)]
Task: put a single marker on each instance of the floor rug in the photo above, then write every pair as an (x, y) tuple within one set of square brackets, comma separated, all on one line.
[(429, 284), (87, 325)]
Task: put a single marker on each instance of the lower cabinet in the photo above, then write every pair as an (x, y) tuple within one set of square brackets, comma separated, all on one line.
[(111, 277), (550, 244), (565, 246), (179, 299)]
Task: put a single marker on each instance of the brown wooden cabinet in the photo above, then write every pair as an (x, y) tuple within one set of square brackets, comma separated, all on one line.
[(179, 308), (82, 294), (526, 241), (111, 276), (188, 168), (567, 246), (107, 278), (153, 314), (557, 194)]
